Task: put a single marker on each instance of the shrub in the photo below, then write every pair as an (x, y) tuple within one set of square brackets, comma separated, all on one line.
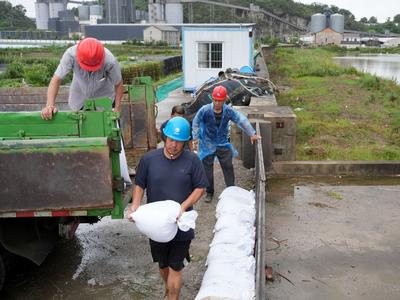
[(37, 75), (370, 82), (152, 69), (14, 70), (11, 83)]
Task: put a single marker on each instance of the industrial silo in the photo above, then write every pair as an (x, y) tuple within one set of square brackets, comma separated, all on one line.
[(318, 23), (337, 22), (156, 11), (55, 6), (42, 15), (174, 12), (96, 10), (83, 12)]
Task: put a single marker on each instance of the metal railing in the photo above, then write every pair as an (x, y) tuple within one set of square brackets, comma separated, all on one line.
[(260, 219)]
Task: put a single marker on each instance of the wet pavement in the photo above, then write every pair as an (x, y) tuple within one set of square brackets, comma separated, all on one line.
[(333, 238)]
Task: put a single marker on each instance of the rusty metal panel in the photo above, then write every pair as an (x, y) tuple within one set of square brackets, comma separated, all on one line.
[(139, 128), (56, 176), (126, 124)]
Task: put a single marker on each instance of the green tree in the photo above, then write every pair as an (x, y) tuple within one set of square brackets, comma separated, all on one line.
[(12, 18), (373, 20), (396, 19)]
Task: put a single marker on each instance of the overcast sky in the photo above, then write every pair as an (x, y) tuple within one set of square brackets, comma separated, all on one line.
[(382, 9)]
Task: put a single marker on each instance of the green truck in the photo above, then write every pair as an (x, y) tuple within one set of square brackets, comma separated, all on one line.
[(55, 174)]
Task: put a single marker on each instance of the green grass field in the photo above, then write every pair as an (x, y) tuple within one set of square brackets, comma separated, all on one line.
[(342, 114)]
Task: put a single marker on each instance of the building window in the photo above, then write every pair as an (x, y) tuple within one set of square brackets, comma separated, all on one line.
[(210, 55)]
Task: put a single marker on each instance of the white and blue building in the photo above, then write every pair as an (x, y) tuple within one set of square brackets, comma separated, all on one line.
[(210, 48)]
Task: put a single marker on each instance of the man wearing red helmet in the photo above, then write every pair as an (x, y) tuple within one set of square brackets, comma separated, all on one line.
[(210, 131), (96, 73)]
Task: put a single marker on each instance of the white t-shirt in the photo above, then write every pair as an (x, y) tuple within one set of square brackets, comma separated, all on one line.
[(86, 85)]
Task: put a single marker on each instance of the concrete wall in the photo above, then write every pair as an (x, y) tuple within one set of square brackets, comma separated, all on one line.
[(283, 127)]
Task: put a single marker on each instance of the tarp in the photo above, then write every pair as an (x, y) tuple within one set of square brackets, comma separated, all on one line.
[(163, 91)]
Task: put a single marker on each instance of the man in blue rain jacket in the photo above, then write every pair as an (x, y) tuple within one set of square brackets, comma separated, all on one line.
[(210, 131)]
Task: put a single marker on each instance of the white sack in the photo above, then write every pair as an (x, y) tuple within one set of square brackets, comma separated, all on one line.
[(226, 281), (225, 253), (236, 201), (235, 191), (187, 220), (230, 220), (157, 220), (123, 165), (244, 216), (237, 238)]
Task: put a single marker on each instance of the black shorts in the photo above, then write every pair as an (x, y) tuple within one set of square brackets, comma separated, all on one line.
[(171, 254)]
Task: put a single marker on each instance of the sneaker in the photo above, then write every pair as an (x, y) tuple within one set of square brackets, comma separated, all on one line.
[(209, 197)]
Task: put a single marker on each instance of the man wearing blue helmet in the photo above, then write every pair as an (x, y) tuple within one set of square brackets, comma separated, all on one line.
[(171, 173)]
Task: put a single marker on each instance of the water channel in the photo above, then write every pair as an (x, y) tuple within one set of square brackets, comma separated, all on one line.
[(383, 65)]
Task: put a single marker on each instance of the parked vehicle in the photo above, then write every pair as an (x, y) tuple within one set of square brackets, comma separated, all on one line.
[(56, 174)]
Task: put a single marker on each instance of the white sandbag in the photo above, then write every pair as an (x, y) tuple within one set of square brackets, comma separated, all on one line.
[(235, 191), (123, 164), (236, 238), (229, 220), (244, 215), (157, 220), (227, 281), (230, 262), (225, 253), (236, 201), (227, 205)]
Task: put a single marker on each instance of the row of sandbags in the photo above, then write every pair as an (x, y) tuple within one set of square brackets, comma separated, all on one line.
[(230, 262)]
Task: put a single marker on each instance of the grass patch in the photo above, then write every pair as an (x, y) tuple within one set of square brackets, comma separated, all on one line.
[(37, 65), (334, 195), (341, 114)]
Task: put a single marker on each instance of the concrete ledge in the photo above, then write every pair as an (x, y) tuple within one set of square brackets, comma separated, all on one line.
[(362, 168)]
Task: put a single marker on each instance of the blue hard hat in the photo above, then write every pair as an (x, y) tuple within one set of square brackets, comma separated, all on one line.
[(178, 129)]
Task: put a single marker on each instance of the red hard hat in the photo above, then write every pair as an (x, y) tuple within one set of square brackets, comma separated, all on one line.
[(219, 93), (90, 54)]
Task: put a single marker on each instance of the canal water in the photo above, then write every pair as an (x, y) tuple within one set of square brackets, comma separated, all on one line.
[(382, 65)]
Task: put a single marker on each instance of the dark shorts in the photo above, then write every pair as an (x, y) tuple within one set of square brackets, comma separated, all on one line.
[(171, 254)]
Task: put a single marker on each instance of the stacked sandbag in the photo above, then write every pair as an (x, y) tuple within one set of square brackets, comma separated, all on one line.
[(230, 262)]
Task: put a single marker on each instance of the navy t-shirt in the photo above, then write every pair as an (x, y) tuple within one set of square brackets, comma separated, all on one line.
[(166, 179)]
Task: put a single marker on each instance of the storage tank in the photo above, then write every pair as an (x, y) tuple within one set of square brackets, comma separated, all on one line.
[(337, 23), (318, 23), (83, 12), (156, 11), (96, 10), (42, 15), (174, 12), (55, 7)]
